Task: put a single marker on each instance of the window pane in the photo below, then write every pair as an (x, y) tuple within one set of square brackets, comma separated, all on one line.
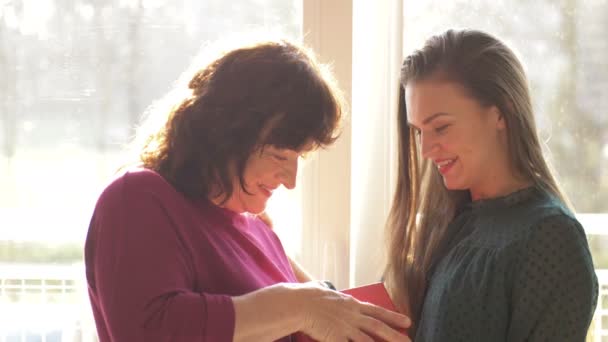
[(563, 48), (76, 76)]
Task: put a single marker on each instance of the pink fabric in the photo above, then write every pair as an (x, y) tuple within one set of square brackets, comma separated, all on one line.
[(161, 267)]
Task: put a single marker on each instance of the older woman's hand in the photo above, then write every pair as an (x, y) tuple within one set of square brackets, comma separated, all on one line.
[(333, 316), (325, 315)]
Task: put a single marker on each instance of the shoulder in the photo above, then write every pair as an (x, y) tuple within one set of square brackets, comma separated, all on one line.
[(144, 179), (551, 231), (543, 214), (136, 180), (133, 185), (558, 223), (558, 239), (551, 219)]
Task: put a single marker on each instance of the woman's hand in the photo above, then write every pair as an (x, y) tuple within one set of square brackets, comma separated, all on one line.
[(325, 315), (333, 316)]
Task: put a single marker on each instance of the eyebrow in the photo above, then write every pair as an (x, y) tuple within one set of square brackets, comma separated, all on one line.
[(430, 118)]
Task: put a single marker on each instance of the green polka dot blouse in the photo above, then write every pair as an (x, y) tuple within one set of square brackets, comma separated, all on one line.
[(516, 268)]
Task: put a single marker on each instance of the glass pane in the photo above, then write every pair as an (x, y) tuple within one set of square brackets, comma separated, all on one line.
[(76, 77), (563, 48)]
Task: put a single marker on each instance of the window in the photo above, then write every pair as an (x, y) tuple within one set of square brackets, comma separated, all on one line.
[(76, 76)]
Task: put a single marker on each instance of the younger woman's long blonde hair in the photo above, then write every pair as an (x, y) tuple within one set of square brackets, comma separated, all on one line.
[(422, 207)]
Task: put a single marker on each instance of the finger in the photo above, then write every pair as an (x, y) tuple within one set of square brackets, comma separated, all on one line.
[(344, 333), (392, 318), (357, 335), (380, 329)]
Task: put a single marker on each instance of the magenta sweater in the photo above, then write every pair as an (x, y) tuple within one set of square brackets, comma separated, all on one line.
[(161, 267)]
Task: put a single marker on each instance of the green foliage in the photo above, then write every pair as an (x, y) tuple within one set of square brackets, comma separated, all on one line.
[(39, 252)]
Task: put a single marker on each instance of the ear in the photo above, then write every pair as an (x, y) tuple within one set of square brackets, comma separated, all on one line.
[(501, 123)]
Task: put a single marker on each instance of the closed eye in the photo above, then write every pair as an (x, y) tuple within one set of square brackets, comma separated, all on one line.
[(441, 129), (279, 157)]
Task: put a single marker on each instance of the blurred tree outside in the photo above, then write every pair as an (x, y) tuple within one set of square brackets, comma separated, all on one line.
[(76, 77), (39, 252)]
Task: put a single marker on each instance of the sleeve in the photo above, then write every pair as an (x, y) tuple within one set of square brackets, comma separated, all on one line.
[(141, 275), (555, 287)]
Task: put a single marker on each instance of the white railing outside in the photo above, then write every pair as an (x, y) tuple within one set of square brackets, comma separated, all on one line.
[(599, 329), (595, 225), (46, 303)]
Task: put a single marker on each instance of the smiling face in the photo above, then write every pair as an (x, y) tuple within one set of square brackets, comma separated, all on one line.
[(266, 170), (466, 141)]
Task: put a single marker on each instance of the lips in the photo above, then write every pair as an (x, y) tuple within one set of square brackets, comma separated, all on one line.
[(445, 165), (266, 190)]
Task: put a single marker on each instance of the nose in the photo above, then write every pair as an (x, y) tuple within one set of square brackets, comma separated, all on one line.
[(428, 145), (289, 173)]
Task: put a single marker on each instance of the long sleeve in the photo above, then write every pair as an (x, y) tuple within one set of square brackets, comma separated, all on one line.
[(141, 277), (555, 287)]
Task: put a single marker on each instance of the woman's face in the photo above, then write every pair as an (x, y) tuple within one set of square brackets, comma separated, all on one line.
[(466, 141), (266, 170)]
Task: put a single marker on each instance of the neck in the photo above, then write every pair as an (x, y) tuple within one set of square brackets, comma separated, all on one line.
[(500, 184), (232, 203)]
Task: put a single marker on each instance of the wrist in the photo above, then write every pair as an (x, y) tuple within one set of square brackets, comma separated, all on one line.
[(268, 312), (289, 300), (294, 295)]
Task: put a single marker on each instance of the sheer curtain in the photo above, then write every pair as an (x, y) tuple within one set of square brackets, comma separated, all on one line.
[(377, 57), (346, 189), (327, 29)]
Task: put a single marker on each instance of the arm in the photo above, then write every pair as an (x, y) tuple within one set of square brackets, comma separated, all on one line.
[(555, 289), (300, 272), (271, 323), (140, 275)]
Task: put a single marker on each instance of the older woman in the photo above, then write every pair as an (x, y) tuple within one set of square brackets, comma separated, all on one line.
[(175, 251)]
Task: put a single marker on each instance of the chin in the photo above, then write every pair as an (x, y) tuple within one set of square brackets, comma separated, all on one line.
[(454, 185), (257, 209)]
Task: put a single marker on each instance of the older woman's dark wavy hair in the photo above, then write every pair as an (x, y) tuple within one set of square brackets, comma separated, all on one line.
[(270, 93)]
